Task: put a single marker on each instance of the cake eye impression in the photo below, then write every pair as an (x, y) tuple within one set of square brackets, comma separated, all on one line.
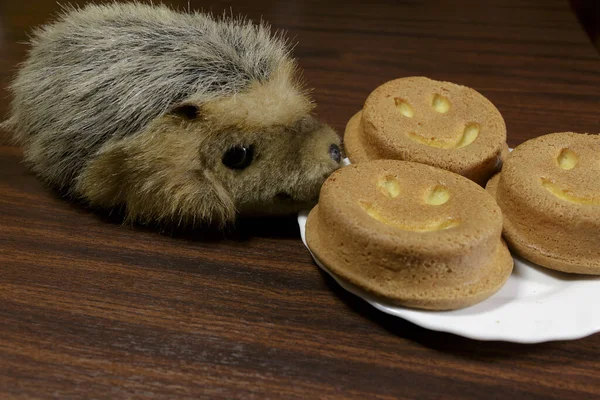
[(404, 108), (437, 196), (567, 159), (389, 186), (440, 104)]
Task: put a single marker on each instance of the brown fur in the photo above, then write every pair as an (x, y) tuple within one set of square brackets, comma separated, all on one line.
[(279, 101)]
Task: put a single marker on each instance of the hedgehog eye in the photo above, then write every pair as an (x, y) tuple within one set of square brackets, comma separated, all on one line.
[(238, 157), (186, 111)]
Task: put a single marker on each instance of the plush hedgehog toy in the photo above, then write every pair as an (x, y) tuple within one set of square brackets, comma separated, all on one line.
[(177, 117)]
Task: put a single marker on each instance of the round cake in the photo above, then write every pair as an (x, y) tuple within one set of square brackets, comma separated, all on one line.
[(410, 234), (431, 122), (549, 193)]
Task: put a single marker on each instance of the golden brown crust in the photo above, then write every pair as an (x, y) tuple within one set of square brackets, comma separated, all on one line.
[(549, 194), (353, 147), (436, 123), (410, 234)]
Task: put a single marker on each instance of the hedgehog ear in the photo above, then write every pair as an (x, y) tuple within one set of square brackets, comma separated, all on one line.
[(187, 111)]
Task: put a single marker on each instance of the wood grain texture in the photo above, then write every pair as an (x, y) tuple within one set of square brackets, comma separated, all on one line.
[(92, 309)]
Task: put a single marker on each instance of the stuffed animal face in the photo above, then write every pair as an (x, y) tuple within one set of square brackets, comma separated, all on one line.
[(279, 169)]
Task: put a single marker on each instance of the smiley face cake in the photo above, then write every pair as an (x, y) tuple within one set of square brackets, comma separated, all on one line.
[(431, 122), (549, 193), (410, 234)]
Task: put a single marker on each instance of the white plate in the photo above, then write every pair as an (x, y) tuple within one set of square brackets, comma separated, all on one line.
[(535, 305)]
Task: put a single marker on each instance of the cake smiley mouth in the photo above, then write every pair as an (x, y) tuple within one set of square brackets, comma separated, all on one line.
[(470, 133), (431, 226), (567, 195)]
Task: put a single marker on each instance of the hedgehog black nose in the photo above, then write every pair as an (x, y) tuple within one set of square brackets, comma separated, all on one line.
[(335, 153)]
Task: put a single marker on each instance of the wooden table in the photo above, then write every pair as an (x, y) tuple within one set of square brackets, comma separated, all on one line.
[(93, 309)]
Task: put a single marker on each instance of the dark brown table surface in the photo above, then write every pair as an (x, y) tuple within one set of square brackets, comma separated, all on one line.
[(93, 309)]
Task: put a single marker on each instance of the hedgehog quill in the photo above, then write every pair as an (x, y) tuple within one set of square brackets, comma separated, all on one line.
[(174, 116)]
